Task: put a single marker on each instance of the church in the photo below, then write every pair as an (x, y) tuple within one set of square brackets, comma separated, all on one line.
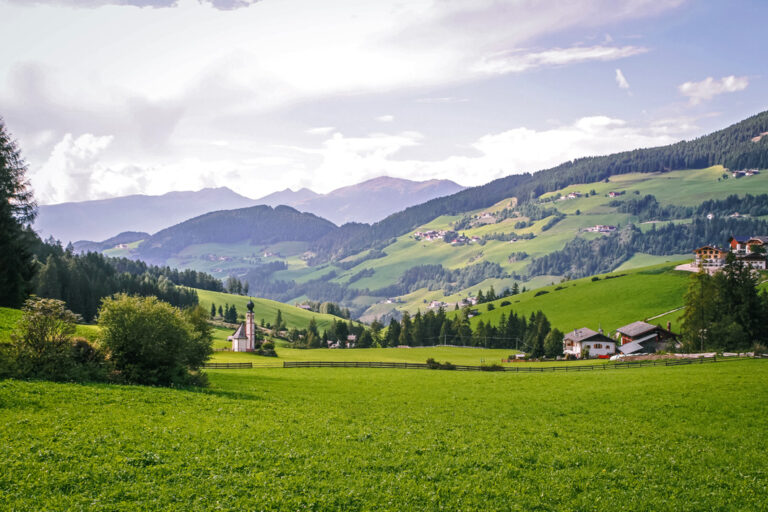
[(244, 338)]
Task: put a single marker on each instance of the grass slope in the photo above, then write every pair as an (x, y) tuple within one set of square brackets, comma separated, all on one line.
[(266, 309), (610, 303), (8, 318), (348, 439)]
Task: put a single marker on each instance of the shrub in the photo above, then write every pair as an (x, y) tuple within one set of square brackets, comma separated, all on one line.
[(492, 367), (152, 342), (42, 346), (504, 303), (540, 292), (267, 349), (595, 278), (490, 307)]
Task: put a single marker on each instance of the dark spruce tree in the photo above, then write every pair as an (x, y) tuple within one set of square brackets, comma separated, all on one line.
[(17, 211)]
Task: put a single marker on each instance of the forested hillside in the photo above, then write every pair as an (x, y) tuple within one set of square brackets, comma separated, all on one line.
[(259, 224), (731, 147)]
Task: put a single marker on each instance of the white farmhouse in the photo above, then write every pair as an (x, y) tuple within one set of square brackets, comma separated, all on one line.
[(597, 343)]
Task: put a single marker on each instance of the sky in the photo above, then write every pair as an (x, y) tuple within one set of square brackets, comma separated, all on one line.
[(114, 97)]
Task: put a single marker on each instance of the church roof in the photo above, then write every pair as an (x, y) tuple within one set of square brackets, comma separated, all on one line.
[(240, 333)]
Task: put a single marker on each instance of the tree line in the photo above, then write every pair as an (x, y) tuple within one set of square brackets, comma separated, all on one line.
[(724, 311), (83, 280)]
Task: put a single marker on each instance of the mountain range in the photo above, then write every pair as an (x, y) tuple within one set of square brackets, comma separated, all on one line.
[(368, 201)]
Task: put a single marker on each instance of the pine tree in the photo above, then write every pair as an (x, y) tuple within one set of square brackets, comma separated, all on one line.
[(213, 310), (279, 324), (221, 313), (17, 211)]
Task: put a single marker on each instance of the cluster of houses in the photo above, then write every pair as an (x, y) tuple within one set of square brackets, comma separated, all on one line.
[(572, 195), (429, 235), (635, 338), (600, 228), (458, 239), (748, 250), (745, 172)]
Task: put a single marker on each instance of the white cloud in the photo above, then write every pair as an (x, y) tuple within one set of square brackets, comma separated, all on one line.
[(442, 99), (71, 168), (518, 61), (621, 80), (709, 88), (346, 160), (321, 130), (388, 118)]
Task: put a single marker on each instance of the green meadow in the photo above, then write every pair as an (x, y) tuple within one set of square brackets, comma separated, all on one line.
[(266, 309), (676, 438), (614, 300)]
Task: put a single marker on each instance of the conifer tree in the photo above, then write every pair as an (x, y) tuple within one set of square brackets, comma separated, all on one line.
[(17, 211)]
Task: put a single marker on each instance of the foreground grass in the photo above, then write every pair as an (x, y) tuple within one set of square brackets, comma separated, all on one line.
[(686, 438)]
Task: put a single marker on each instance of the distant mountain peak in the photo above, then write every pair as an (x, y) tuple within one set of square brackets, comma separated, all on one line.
[(368, 201)]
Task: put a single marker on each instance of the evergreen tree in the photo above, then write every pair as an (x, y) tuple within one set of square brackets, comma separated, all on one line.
[(221, 313), (405, 330), (553, 344), (213, 310), (393, 333), (279, 324), (17, 211)]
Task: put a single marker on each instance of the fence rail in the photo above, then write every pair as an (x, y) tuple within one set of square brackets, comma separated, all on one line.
[(219, 366), (518, 369)]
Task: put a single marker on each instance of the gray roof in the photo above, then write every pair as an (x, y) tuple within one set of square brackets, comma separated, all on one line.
[(636, 329), (631, 348), (763, 239), (583, 334), (240, 333)]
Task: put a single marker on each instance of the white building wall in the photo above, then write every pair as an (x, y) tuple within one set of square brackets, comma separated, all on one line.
[(607, 349)]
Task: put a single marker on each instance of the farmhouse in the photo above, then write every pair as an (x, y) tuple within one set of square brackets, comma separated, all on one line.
[(600, 228), (710, 256), (586, 340), (643, 337)]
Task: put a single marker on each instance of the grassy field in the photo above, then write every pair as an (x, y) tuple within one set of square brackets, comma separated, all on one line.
[(635, 295), (455, 355), (8, 318), (349, 439)]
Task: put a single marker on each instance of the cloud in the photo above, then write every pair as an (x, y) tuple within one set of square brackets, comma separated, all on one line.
[(91, 4), (442, 99), (321, 130), (388, 118), (71, 170), (621, 80), (518, 61), (709, 88), (345, 160)]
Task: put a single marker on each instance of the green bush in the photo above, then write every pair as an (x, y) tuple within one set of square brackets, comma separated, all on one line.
[(152, 342), (42, 346)]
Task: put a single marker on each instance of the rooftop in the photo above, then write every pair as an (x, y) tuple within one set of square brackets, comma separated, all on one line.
[(636, 328)]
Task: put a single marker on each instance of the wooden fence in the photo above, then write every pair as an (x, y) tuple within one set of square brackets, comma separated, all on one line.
[(499, 368), (220, 366), (567, 367)]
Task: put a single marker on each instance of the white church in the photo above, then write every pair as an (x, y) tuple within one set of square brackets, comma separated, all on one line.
[(244, 338)]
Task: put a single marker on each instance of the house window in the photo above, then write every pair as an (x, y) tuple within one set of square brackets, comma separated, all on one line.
[(598, 345)]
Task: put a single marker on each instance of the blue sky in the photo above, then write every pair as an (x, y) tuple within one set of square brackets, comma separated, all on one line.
[(112, 97)]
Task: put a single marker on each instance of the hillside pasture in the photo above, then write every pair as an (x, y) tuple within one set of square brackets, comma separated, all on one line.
[(615, 299), (266, 309), (365, 439)]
